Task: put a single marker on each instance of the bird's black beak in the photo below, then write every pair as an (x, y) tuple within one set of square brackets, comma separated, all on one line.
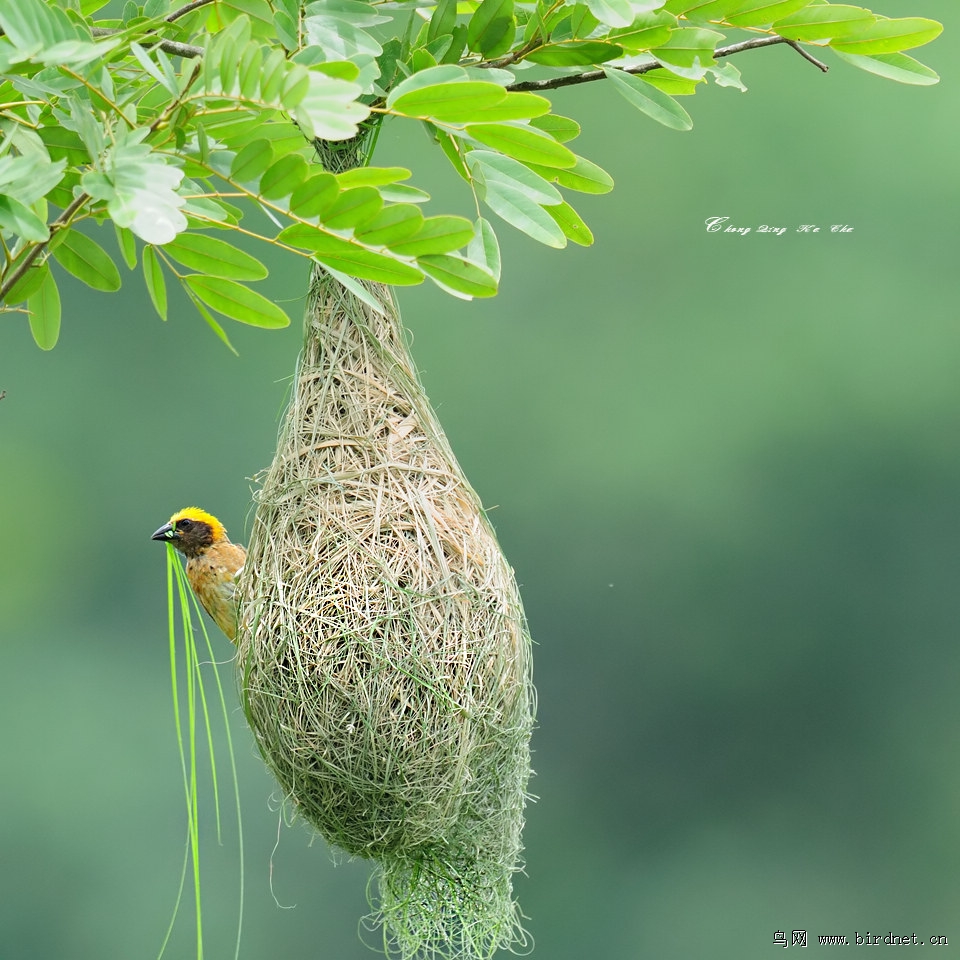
[(166, 532)]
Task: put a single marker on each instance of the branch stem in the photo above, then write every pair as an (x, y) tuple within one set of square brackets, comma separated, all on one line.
[(174, 47), (752, 44), (808, 56), (61, 221), (189, 8)]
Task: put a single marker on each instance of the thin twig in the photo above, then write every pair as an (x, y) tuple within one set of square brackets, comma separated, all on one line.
[(176, 104), (752, 44), (27, 261), (173, 47), (808, 56), (186, 50), (189, 8), (511, 58)]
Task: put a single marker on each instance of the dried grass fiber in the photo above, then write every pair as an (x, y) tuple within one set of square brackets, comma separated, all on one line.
[(385, 660)]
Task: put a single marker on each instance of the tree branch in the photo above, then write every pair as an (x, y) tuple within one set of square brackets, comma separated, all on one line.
[(808, 56), (173, 47), (189, 8), (176, 49), (754, 43), (35, 252)]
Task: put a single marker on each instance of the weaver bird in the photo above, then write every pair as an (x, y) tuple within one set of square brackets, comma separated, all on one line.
[(213, 562)]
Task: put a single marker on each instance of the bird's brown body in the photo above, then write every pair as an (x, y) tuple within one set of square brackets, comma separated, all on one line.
[(213, 562)]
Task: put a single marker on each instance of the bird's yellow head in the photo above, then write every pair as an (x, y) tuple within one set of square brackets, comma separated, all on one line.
[(191, 531)]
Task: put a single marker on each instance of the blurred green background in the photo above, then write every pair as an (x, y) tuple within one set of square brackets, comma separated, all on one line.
[(726, 470)]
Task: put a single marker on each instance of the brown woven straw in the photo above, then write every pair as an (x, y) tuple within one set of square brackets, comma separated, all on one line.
[(385, 660)]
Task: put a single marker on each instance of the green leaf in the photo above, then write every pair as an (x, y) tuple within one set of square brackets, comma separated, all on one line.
[(224, 56), (443, 19), (213, 212), (399, 221), (350, 257), (211, 323), (248, 73), (127, 243), (353, 208), (672, 84), (646, 32), (489, 166), (432, 77), (401, 193), (689, 47), (153, 69), (458, 275), (44, 307), (614, 13), (757, 13), (575, 53), (272, 76), (32, 26), (571, 224), (562, 129), (441, 234), (64, 144), (582, 23), (372, 176), (422, 60), (296, 84), (236, 301), (359, 12), (251, 161), (18, 218), (516, 206), (523, 143), (893, 66), (287, 28), (236, 128), (330, 111), (463, 102), (491, 28), (823, 21), (458, 44), (484, 248), (585, 177), (335, 29), (283, 177), (213, 256), (701, 10), (889, 36), (28, 284), (27, 177), (260, 13), (156, 285), (315, 195), (76, 53), (516, 106), (453, 150), (648, 99), (726, 74), (87, 261)]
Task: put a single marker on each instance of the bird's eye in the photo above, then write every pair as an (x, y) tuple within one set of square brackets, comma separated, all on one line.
[(184, 524)]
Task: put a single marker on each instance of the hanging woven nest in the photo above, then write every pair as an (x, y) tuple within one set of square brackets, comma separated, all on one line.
[(385, 662)]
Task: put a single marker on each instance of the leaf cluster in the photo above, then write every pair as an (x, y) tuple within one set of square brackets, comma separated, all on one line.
[(189, 126)]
